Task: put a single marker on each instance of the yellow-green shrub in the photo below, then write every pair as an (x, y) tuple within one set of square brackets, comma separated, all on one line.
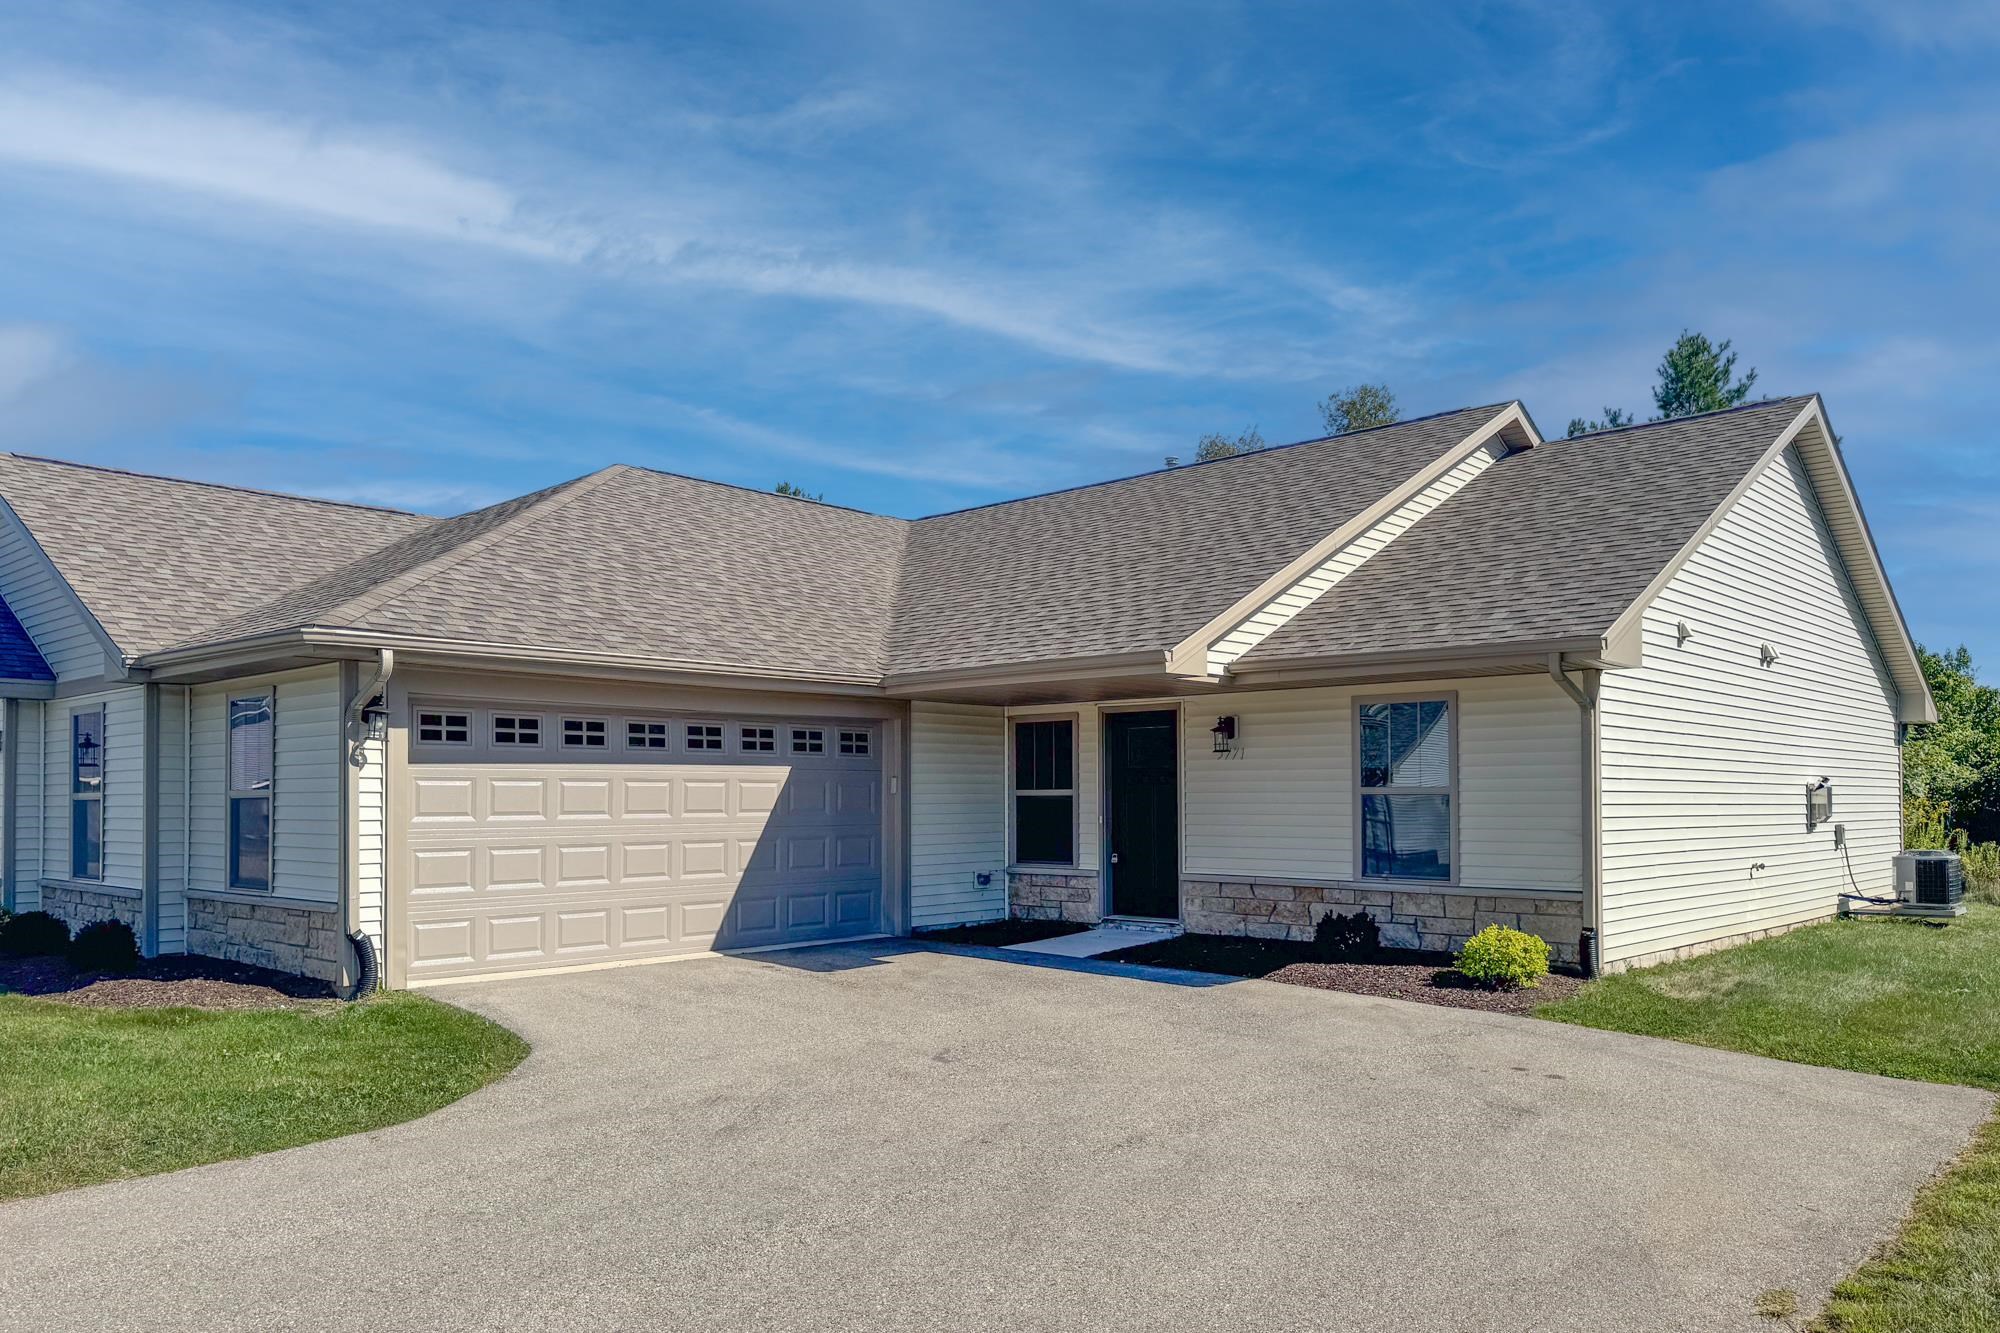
[(1501, 958)]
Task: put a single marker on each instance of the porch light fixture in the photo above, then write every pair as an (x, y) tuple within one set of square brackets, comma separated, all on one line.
[(375, 718), (1766, 654), (1224, 732)]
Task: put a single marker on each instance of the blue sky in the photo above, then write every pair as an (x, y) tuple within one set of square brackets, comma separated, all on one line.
[(918, 256)]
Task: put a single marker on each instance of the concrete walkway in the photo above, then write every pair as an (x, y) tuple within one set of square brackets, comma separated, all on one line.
[(891, 1137)]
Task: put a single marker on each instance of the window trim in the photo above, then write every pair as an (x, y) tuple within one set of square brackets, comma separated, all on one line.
[(644, 745), (516, 716), (1074, 791), (603, 745), (232, 794), (443, 725), (80, 797), (1451, 792)]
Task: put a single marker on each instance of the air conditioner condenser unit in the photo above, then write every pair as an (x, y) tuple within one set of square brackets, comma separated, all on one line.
[(1930, 884)]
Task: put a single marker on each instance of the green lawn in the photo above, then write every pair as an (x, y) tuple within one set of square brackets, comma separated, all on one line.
[(1883, 997), (89, 1095)]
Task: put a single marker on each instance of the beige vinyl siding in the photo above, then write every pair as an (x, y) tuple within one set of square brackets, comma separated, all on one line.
[(44, 605), (371, 845), (1272, 616), (1281, 806), (1089, 758), (958, 813), (1707, 752), (124, 786), (30, 813), (172, 853), (305, 807)]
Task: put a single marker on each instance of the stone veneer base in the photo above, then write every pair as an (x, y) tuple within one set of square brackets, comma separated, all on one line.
[(302, 940), (79, 907), (1053, 895), (1410, 919)]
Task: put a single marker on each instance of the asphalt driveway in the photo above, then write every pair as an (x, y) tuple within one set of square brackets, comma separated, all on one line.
[(888, 1137)]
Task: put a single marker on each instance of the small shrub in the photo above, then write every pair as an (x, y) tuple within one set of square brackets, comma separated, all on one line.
[(1926, 823), (1502, 959), (1346, 936), (104, 946), (31, 933)]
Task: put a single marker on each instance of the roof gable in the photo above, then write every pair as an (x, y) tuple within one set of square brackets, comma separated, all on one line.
[(1140, 563), (159, 562), (1550, 545)]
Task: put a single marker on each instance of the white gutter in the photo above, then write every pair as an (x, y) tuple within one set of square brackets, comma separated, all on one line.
[(1591, 948)]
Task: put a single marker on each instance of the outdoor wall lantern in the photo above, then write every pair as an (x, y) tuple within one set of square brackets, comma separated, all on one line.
[(1224, 732), (375, 718)]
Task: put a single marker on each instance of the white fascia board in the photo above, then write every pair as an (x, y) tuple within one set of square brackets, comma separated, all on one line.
[(1841, 506)]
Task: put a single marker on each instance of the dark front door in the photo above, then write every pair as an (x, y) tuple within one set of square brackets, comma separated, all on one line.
[(1145, 829)]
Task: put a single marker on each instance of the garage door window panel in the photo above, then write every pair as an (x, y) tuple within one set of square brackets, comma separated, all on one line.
[(758, 740), (442, 728), (808, 740), (517, 731), (584, 733), (647, 735), (704, 737)]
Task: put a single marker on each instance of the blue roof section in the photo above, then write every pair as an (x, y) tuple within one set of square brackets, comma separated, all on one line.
[(19, 658)]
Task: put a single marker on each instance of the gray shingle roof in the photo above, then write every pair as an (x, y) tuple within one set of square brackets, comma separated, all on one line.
[(19, 658), (1130, 565), (1553, 542), (160, 562), (633, 563)]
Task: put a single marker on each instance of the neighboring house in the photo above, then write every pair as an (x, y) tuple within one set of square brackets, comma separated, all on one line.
[(1445, 671)]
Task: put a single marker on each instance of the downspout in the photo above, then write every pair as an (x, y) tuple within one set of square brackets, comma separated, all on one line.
[(1590, 942), (355, 738)]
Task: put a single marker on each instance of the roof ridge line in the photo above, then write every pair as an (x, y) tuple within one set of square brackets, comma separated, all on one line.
[(1228, 458), (1692, 416), (220, 486), (558, 496)]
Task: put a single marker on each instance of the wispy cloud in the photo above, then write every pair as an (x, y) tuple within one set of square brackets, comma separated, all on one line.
[(54, 395), (320, 172)]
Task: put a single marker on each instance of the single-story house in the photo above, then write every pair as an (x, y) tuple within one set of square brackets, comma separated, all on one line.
[(1445, 671)]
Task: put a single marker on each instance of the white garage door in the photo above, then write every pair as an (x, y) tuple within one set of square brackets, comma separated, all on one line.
[(545, 838)]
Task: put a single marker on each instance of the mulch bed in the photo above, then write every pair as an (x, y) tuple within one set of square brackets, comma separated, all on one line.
[(1397, 974), (172, 981), (1000, 934)]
